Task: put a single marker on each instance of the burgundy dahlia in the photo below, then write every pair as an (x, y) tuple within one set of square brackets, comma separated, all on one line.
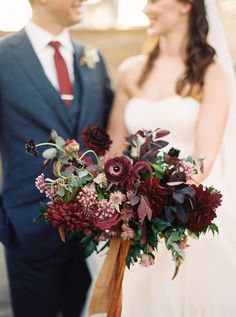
[(117, 169), (68, 215), (96, 138), (155, 193), (205, 204)]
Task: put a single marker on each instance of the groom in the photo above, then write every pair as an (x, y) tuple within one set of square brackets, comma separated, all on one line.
[(44, 86)]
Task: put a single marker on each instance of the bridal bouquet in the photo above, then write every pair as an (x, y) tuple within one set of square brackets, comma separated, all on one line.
[(130, 201)]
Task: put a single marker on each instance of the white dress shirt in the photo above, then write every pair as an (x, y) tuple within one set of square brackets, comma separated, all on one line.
[(40, 39)]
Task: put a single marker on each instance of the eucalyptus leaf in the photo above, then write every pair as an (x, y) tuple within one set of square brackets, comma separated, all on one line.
[(83, 174), (177, 249), (189, 159), (54, 134), (73, 182), (66, 174), (50, 153), (61, 192), (60, 141)]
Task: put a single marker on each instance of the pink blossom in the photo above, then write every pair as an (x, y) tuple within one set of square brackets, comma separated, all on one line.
[(106, 217), (87, 197), (40, 183), (49, 190), (128, 233), (130, 193), (146, 260), (183, 244), (189, 169), (51, 193), (71, 146), (127, 212), (117, 198)]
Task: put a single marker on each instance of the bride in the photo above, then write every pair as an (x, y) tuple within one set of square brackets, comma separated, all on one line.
[(180, 86)]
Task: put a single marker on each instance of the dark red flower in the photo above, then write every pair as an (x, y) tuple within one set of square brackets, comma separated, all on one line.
[(135, 174), (30, 148), (205, 204), (96, 138), (155, 193), (68, 215), (117, 169), (106, 217)]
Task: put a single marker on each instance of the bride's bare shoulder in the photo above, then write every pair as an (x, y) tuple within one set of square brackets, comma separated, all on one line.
[(215, 73), (133, 62), (132, 66)]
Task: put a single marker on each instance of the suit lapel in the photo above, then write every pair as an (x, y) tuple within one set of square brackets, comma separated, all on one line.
[(30, 64), (81, 75), (88, 88)]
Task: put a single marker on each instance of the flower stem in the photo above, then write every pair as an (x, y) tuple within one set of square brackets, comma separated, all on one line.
[(59, 168), (51, 144), (90, 151)]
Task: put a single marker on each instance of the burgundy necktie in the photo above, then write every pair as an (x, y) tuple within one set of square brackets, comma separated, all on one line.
[(65, 85)]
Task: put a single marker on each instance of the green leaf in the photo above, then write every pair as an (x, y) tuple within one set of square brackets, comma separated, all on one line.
[(85, 240), (189, 159), (194, 235), (43, 207), (60, 141), (133, 254), (213, 228), (177, 249), (70, 194), (66, 174), (83, 173), (64, 160), (174, 236), (158, 171), (91, 247), (69, 235), (160, 224), (40, 218), (61, 192), (100, 195), (73, 182), (50, 153)]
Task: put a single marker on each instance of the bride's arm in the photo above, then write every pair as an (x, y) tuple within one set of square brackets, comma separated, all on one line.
[(212, 119), (116, 124)]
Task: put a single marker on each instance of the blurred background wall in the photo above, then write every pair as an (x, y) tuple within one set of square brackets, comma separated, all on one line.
[(117, 27)]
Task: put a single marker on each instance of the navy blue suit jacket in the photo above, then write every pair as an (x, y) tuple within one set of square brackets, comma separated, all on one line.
[(29, 108)]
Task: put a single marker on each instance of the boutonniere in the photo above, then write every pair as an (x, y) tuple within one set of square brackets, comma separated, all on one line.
[(89, 57)]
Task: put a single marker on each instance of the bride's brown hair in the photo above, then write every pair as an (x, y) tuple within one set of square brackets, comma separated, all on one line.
[(199, 54)]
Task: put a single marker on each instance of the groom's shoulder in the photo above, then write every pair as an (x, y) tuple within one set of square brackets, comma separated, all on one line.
[(6, 40), (10, 41)]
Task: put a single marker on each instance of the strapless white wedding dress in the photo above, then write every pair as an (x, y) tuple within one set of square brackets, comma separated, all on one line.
[(206, 283)]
